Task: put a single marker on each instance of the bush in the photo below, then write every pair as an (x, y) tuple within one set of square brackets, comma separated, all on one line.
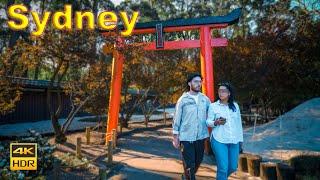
[(45, 158)]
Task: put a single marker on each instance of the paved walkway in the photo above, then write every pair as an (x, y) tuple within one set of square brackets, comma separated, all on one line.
[(45, 126), (150, 155)]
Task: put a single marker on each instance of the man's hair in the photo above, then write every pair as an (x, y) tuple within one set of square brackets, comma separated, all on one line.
[(193, 75), (189, 79)]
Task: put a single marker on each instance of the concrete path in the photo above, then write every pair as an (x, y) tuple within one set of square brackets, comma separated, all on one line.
[(150, 155)]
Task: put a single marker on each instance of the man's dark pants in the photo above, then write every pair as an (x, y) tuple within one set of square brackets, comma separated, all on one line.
[(192, 155)]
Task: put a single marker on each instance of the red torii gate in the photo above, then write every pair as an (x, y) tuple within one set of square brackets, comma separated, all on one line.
[(206, 42)]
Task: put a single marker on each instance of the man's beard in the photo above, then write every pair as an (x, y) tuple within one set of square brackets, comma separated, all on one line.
[(194, 89)]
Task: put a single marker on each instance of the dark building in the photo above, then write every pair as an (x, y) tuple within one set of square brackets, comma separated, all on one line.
[(33, 106)]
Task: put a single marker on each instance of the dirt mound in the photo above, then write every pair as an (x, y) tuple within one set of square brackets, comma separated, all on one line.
[(295, 132)]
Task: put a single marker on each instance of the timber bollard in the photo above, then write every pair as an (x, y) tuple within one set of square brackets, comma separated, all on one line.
[(78, 147), (88, 134), (110, 152), (284, 171), (268, 171), (114, 139), (243, 165), (253, 162)]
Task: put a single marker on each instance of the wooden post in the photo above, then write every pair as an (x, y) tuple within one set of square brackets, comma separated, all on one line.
[(268, 171), (114, 139), (284, 171), (88, 134), (102, 174), (243, 166), (78, 147), (254, 165), (110, 152)]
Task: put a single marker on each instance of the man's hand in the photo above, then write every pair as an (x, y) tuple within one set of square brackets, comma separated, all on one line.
[(220, 121), (176, 141)]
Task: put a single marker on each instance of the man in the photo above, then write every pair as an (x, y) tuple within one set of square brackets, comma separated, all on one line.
[(189, 126)]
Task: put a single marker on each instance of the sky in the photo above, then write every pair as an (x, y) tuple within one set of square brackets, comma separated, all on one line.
[(116, 2)]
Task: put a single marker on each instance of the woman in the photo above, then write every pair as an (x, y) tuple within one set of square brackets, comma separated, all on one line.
[(224, 117)]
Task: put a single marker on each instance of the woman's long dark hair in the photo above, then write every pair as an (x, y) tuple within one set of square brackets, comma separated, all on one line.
[(231, 97)]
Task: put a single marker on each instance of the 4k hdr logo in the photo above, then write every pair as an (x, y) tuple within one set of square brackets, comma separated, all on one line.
[(23, 156)]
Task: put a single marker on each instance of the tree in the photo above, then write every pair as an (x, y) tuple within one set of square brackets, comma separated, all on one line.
[(276, 67), (13, 63), (63, 53), (89, 92)]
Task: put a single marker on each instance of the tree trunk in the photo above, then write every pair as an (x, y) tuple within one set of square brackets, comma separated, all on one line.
[(146, 121), (164, 116), (36, 72), (268, 171), (125, 123), (71, 115), (59, 136), (25, 73), (121, 119)]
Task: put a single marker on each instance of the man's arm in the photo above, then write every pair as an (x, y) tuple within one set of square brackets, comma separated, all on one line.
[(211, 117), (176, 124), (177, 118)]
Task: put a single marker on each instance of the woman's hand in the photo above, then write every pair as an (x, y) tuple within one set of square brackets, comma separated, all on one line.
[(176, 141), (220, 121)]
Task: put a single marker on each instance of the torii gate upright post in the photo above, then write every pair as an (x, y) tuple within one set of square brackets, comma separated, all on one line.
[(206, 42), (206, 62), (115, 90)]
